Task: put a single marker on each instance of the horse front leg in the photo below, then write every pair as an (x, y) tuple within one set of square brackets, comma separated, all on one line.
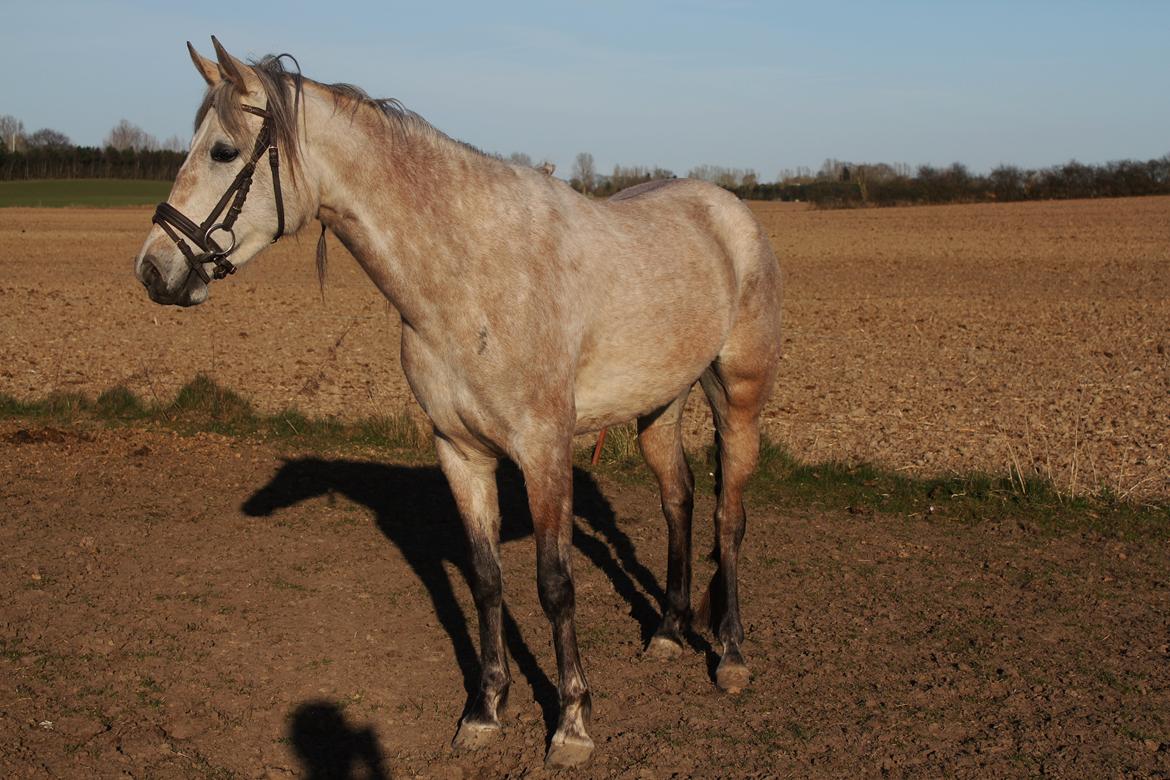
[(548, 477), (471, 476)]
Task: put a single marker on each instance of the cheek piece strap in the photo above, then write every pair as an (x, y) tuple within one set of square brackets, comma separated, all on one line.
[(178, 225)]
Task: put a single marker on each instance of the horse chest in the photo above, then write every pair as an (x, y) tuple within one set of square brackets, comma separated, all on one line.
[(468, 389)]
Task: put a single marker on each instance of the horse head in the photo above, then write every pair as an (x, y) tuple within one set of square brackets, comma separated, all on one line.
[(229, 200)]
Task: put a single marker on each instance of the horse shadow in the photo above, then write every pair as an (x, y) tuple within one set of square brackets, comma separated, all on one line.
[(414, 509)]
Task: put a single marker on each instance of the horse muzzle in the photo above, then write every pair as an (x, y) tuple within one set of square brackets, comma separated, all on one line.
[(188, 290)]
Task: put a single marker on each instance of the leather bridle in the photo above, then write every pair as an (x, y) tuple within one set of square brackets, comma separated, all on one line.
[(174, 222)]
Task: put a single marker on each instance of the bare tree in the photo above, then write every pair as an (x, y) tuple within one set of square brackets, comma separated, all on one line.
[(801, 174), (174, 144), (11, 131), (47, 138), (520, 158), (127, 135), (724, 177), (833, 169), (584, 174)]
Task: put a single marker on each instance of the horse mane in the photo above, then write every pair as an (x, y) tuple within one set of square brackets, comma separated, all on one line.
[(284, 105)]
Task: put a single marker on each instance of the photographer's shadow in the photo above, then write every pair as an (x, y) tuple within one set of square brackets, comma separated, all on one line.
[(414, 509), (329, 748)]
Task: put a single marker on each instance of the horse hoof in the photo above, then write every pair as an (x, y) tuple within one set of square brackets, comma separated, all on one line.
[(472, 735), (568, 752), (663, 648), (732, 676)]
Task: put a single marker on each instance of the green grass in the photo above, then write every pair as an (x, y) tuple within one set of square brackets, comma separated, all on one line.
[(202, 405), (860, 491), (83, 192), (865, 490)]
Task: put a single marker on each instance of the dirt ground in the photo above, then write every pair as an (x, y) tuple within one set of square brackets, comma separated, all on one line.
[(217, 607), (204, 606), (928, 339)]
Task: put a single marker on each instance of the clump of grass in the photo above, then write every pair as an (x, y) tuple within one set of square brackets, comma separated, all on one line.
[(202, 397), (59, 406), (291, 423), (621, 446), (119, 403), (775, 458), (11, 406), (397, 431), (64, 405)]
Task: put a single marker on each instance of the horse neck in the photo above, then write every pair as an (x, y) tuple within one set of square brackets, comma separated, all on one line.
[(406, 202)]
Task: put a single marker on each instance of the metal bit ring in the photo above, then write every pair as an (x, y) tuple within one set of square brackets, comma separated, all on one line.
[(224, 228)]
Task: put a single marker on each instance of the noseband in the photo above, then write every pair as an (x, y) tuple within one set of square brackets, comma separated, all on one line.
[(174, 222)]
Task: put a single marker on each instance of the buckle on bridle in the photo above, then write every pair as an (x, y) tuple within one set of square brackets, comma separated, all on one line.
[(223, 267)]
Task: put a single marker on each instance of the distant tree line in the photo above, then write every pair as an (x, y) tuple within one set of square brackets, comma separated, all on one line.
[(844, 184), (128, 152), (840, 184)]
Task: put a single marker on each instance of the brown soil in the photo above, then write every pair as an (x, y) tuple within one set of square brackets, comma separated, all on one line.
[(926, 339), (208, 606), (215, 607)]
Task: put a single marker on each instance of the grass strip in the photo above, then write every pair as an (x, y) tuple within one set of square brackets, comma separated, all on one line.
[(58, 193), (783, 481), (201, 405)]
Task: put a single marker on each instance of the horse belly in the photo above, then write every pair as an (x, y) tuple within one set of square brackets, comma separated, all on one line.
[(616, 386), (653, 335)]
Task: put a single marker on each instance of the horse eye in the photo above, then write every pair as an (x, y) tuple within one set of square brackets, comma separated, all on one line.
[(221, 152)]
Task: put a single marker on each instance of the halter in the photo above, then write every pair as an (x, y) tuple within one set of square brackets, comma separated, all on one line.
[(173, 222)]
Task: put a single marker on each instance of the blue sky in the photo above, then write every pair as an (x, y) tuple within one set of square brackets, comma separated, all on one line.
[(765, 85)]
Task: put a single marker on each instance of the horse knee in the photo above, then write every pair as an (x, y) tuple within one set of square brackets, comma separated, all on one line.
[(678, 502), (486, 580), (557, 595), (488, 591)]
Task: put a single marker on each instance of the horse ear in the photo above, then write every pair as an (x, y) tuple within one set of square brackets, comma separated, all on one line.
[(238, 73), (207, 68)]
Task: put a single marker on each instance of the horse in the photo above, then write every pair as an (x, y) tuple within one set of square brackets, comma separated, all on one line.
[(530, 314)]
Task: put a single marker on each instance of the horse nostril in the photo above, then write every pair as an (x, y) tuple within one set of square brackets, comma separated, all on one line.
[(151, 277), (150, 272)]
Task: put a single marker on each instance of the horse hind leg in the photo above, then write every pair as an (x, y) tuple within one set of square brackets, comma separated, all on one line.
[(660, 438), (737, 395)]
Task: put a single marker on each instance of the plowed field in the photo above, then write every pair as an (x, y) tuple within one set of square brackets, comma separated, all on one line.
[(196, 605), (928, 339)]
